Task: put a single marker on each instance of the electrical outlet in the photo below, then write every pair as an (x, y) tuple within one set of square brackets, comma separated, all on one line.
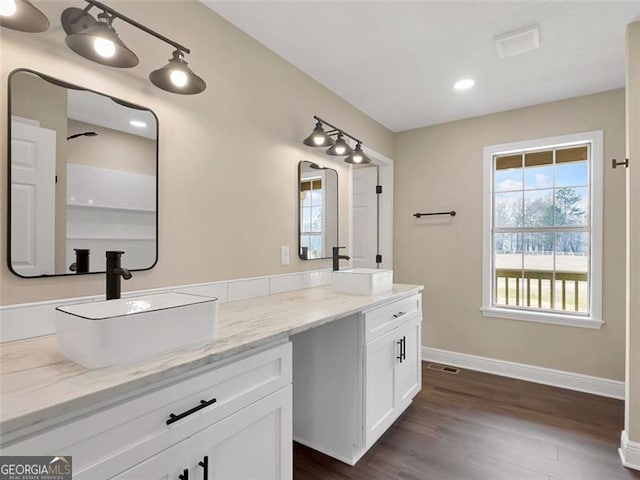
[(284, 255)]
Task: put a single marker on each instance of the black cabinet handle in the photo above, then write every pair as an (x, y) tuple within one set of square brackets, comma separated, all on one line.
[(399, 357), (399, 314), (205, 467), (184, 475), (403, 348), (203, 404)]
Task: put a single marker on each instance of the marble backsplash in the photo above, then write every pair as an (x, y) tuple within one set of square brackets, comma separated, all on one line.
[(28, 320)]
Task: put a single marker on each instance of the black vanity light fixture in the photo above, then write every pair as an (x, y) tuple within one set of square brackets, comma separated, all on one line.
[(338, 147), (95, 39), (21, 15)]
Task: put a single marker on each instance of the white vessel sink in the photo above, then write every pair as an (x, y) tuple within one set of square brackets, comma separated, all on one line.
[(99, 334), (362, 281)]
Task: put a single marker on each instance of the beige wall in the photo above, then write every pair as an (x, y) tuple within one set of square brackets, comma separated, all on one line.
[(440, 168), (111, 149), (228, 157), (632, 403)]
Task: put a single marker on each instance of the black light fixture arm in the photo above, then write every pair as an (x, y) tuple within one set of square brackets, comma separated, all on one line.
[(324, 122), (131, 21)]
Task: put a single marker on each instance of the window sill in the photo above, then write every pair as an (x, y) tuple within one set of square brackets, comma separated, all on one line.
[(549, 318)]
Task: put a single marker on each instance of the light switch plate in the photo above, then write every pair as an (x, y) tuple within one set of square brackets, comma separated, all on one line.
[(284, 255)]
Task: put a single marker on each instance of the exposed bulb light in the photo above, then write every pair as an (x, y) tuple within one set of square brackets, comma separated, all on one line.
[(22, 16), (137, 124), (178, 78), (8, 8), (340, 148), (96, 40), (104, 47), (464, 84), (358, 157), (318, 138)]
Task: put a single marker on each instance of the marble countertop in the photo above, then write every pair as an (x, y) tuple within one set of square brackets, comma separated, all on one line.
[(37, 384)]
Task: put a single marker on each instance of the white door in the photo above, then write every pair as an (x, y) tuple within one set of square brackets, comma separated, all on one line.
[(380, 379), (166, 465), (254, 443), (409, 375), (365, 217), (33, 164)]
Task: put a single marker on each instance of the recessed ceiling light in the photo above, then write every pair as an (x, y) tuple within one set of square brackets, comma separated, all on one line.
[(137, 123), (464, 84)]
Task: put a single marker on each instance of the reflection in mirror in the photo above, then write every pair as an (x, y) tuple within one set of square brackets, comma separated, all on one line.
[(83, 179), (317, 210)]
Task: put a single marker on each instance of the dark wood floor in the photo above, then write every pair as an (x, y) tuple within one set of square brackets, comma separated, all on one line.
[(475, 426)]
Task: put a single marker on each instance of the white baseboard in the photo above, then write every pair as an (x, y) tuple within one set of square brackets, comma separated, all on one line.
[(547, 376), (629, 452)]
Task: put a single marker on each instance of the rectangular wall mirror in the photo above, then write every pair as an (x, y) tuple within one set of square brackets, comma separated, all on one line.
[(317, 210), (82, 179)]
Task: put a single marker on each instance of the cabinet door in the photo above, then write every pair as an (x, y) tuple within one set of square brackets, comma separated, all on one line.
[(166, 465), (380, 398), (254, 443), (409, 371)]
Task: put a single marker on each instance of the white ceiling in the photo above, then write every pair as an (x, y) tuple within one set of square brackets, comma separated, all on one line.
[(88, 107), (397, 61)]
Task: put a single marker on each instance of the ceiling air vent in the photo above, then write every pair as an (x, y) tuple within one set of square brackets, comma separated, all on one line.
[(518, 41)]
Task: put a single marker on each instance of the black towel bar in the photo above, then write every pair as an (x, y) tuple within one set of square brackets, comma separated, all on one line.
[(418, 215)]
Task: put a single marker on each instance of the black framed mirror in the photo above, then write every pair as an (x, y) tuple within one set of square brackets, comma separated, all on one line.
[(317, 210), (82, 179)]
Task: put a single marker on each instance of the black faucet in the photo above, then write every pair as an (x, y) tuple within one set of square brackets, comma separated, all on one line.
[(114, 272), (81, 265), (337, 257)]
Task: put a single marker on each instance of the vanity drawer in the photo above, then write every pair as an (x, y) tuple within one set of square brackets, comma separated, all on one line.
[(137, 427), (383, 319)]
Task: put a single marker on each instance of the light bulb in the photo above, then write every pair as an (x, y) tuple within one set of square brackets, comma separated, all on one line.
[(357, 158), (318, 140), (178, 78), (340, 150), (7, 8), (104, 48)]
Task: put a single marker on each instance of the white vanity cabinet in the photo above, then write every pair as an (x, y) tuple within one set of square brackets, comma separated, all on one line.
[(237, 412), (254, 443), (353, 377), (392, 370)]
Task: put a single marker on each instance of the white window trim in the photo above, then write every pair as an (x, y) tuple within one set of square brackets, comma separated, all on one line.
[(594, 320)]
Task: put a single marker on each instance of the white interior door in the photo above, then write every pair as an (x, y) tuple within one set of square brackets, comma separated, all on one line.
[(365, 217), (33, 160)]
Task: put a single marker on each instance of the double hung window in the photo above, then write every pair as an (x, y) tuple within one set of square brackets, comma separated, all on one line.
[(543, 204)]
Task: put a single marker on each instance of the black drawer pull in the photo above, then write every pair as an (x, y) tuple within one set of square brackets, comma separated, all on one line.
[(399, 314), (184, 475), (205, 466), (403, 349), (399, 342), (203, 404)]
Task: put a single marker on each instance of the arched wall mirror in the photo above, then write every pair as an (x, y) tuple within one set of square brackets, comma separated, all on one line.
[(317, 210), (83, 172)]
